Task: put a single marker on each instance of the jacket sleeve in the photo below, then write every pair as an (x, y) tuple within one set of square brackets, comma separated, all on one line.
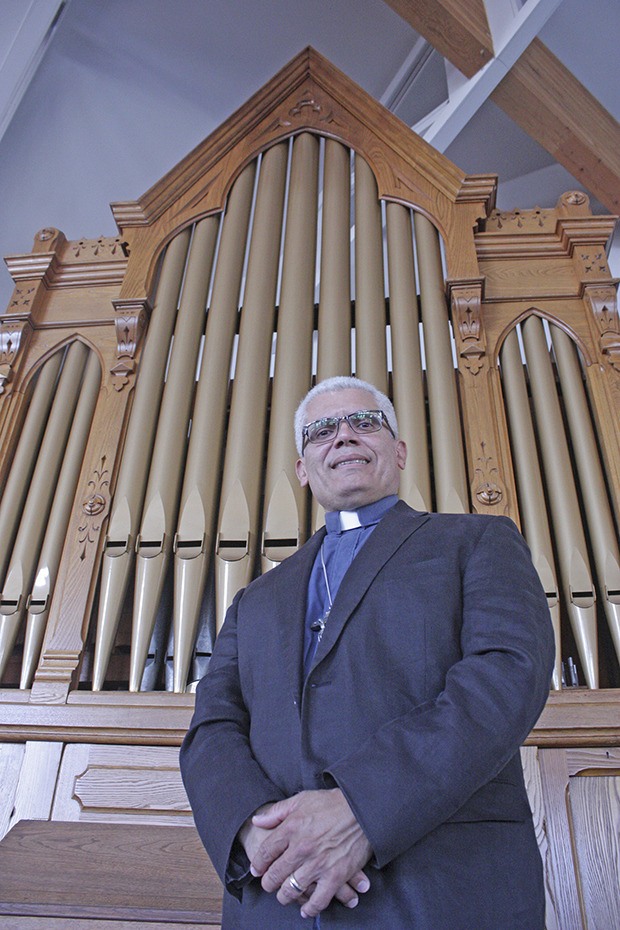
[(223, 794), (443, 754)]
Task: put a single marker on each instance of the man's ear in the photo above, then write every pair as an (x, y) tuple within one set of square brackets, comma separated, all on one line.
[(300, 471), (401, 453)]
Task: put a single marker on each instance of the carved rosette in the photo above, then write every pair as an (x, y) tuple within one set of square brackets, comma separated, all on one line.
[(130, 323), (10, 339), (602, 303), (487, 489), (466, 307), (94, 506)]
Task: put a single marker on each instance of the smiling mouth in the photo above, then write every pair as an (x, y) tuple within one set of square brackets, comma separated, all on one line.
[(345, 462)]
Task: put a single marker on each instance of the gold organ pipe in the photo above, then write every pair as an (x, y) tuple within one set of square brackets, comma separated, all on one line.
[(37, 507), (193, 545), (334, 335), (568, 531), (161, 501), (598, 514), (407, 375), (284, 517), (119, 553), (370, 333), (23, 464), (532, 505), (38, 603), (334, 338), (241, 484), (448, 458)]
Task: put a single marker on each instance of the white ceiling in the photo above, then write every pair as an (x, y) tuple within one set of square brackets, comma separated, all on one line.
[(97, 108)]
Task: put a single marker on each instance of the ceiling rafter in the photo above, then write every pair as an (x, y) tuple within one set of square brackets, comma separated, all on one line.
[(21, 57), (534, 89), (553, 107), (458, 29)]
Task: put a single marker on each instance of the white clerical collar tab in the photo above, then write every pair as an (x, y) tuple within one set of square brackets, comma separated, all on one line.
[(349, 520)]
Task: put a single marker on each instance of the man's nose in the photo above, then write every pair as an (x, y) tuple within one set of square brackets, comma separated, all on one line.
[(345, 434)]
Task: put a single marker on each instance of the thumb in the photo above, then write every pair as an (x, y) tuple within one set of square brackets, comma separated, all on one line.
[(272, 816)]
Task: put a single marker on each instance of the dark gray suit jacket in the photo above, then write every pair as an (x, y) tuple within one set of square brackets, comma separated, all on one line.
[(433, 668)]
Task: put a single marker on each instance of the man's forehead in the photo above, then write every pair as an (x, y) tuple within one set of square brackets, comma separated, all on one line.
[(339, 403)]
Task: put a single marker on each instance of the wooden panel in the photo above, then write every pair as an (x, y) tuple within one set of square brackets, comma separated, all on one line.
[(553, 278), (125, 784), (595, 809), (562, 891), (108, 871), (11, 757), (37, 782), (534, 786)]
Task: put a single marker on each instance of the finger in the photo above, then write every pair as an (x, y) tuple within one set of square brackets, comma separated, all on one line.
[(279, 871), (360, 882), (320, 897), (289, 892), (269, 852), (346, 895), (273, 815)]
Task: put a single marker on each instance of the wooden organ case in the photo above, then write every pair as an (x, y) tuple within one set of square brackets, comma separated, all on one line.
[(147, 386)]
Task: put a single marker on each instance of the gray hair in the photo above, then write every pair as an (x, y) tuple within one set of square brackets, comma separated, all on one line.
[(342, 383)]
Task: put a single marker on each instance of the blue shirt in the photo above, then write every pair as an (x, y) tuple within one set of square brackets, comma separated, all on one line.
[(347, 532)]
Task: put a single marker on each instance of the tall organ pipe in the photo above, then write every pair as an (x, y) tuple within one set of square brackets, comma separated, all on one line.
[(568, 530), (532, 507), (38, 603), (370, 321), (284, 518), (119, 553), (334, 337), (161, 501), (407, 374), (194, 540), (24, 461), (241, 485), (448, 459), (32, 525), (601, 528)]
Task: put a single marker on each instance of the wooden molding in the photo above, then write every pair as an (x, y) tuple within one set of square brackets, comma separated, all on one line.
[(573, 717)]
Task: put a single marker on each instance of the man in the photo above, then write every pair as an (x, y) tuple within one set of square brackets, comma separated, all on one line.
[(354, 753)]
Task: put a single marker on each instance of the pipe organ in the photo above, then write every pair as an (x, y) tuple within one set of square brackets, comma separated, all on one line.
[(148, 385)]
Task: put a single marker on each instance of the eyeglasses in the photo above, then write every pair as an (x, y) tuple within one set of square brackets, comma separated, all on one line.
[(326, 429)]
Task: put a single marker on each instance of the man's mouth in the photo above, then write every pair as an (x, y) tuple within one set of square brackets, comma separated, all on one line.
[(344, 462)]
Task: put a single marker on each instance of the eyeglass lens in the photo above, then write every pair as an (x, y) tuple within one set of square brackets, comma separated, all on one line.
[(363, 421)]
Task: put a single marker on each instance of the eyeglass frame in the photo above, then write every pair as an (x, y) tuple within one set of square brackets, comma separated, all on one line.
[(304, 433)]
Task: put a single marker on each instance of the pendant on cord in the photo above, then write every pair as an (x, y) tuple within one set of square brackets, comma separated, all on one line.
[(319, 625)]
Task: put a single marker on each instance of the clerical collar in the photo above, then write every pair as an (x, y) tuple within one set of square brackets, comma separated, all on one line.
[(338, 521)]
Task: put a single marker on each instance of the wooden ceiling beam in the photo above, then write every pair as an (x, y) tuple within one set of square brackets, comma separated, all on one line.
[(459, 31), (548, 102), (539, 93)]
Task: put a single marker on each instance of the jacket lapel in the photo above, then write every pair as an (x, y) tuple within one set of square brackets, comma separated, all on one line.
[(291, 595)]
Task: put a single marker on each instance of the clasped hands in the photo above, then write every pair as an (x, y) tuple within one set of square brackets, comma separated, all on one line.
[(315, 838)]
